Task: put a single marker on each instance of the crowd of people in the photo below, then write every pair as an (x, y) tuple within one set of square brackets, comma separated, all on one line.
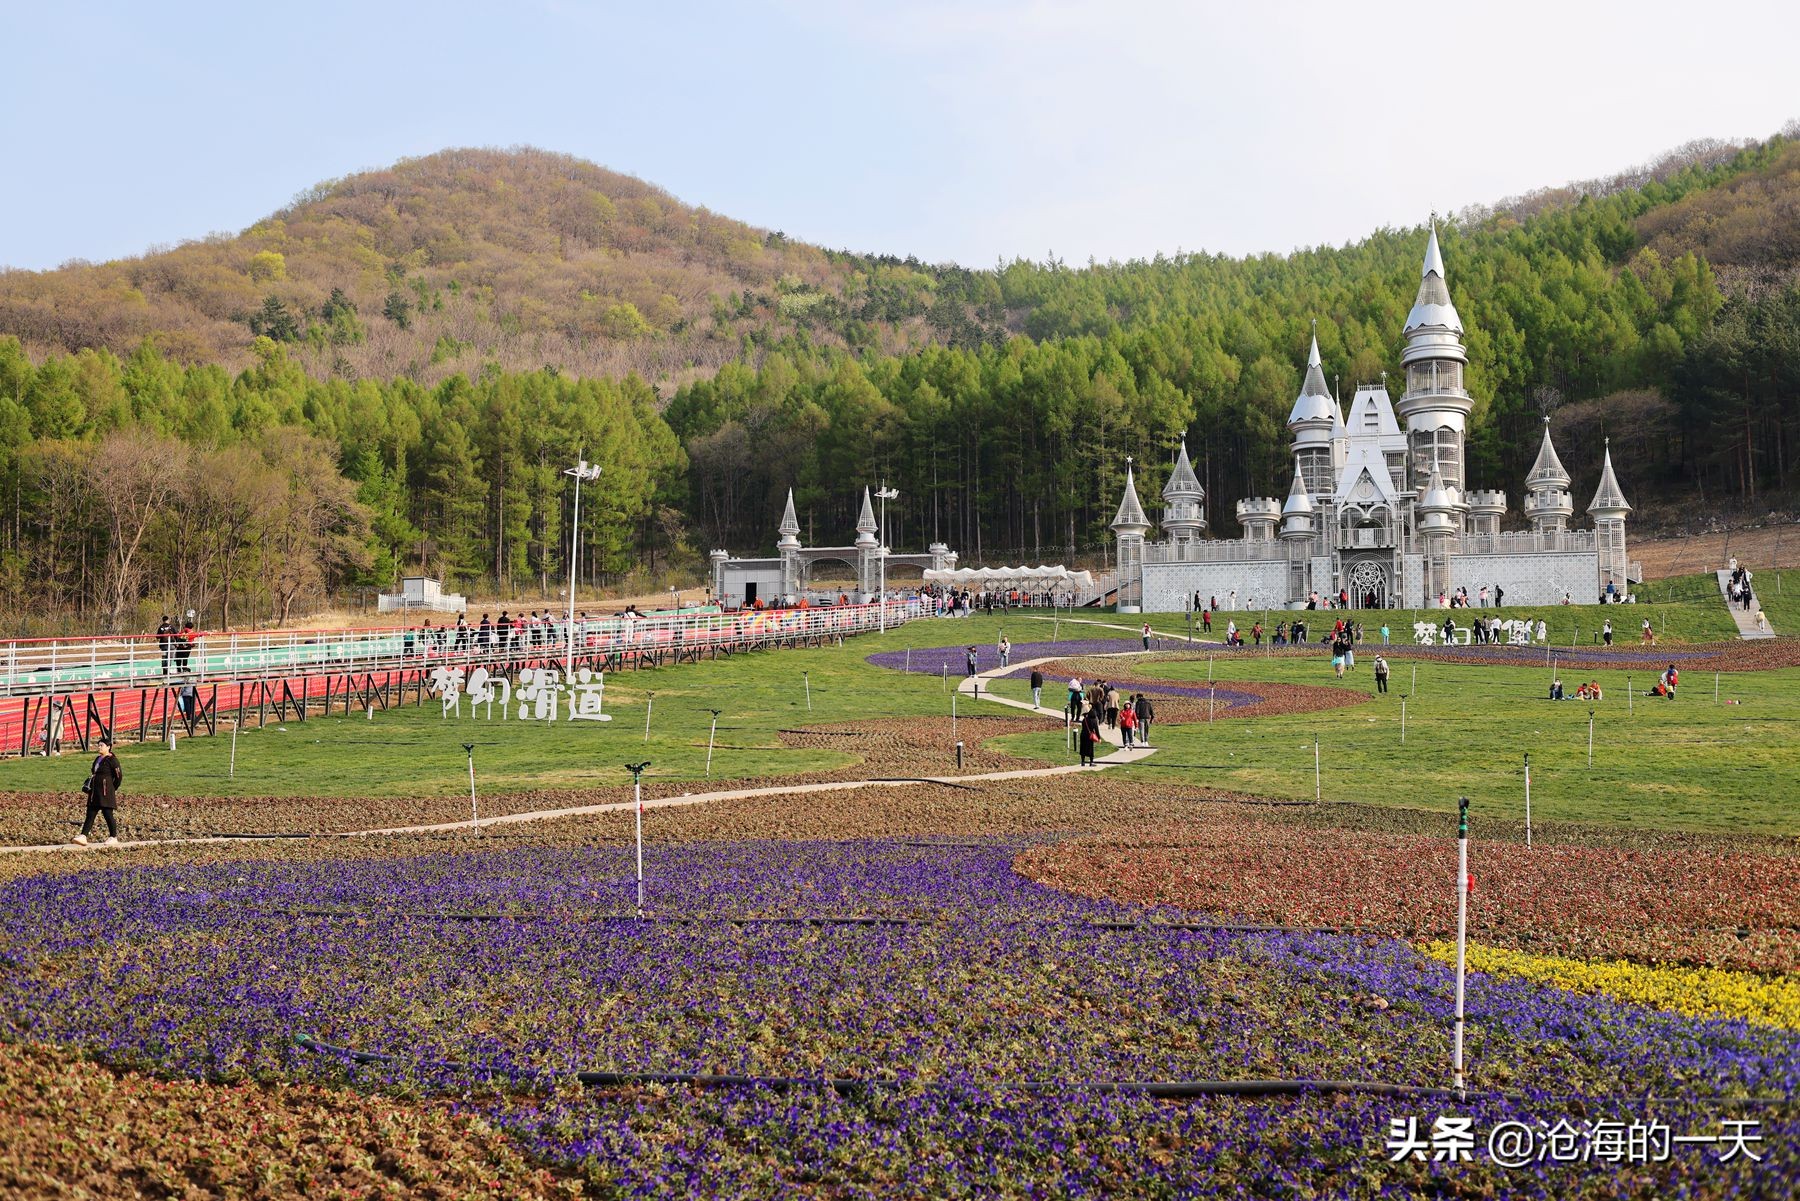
[(1101, 704)]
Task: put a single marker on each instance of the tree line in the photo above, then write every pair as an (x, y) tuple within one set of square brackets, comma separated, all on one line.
[(141, 479)]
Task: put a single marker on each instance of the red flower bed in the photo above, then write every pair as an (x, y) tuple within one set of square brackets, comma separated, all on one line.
[(1721, 910)]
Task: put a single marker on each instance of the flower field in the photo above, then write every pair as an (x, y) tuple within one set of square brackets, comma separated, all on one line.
[(492, 976), (1662, 906), (1699, 992)]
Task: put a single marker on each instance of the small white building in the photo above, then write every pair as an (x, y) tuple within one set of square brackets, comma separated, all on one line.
[(422, 592)]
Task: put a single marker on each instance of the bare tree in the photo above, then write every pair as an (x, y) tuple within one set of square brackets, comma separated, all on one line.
[(135, 474)]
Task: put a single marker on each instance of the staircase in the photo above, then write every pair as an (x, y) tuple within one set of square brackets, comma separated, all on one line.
[(1747, 624)]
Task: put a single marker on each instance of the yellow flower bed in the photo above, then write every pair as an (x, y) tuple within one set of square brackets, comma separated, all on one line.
[(1697, 992)]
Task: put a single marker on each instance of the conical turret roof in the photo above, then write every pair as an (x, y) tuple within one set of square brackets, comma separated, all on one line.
[(1547, 471), (1438, 497), (1131, 514), (1433, 307), (1298, 500), (790, 523), (1182, 480), (1314, 402), (1609, 498), (865, 522)]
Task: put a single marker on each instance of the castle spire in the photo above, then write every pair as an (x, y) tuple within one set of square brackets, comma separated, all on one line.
[(1609, 498), (1131, 519), (1547, 471), (790, 523), (865, 524), (1433, 309)]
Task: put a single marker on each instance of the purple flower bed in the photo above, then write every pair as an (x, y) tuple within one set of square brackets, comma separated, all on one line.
[(210, 971), (932, 660)]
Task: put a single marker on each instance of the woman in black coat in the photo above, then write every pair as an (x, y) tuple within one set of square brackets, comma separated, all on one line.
[(102, 790)]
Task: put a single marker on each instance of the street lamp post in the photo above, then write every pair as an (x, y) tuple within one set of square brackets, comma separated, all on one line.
[(583, 470), (886, 494)]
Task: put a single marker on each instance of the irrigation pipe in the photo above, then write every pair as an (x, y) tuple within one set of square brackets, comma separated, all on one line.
[(1165, 1089)]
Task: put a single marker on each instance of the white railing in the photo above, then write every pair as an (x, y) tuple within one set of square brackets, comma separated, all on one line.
[(49, 665), (1519, 542), (1224, 551)]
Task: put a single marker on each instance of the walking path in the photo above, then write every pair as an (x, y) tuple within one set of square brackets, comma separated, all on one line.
[(1748, 626), (971, 686), (1119, 756)]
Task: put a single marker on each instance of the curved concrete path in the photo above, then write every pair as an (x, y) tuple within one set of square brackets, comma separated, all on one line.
[(971, 686), (966, 687)]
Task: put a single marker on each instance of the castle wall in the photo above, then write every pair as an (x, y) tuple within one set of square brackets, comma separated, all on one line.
[(1170, 587), (1530, 579)]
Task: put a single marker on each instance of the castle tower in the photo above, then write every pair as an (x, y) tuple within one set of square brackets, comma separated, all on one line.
[(1547, 502), (1297, 514), (788, 547), (1184, 520), (1314, 421), (1438, 511), (1435, 406), (1129, 528), (1485, 511), (1259, 515), (868, 550), (1608, 511)]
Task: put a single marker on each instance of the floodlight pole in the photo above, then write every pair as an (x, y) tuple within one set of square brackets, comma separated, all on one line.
[(1462, 941), (637, 790), (886, 494), (583, 470)]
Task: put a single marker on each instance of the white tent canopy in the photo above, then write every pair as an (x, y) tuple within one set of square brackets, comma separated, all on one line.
[(991, 577)]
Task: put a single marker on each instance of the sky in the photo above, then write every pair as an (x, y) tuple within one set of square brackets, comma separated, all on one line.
[(968, 132)]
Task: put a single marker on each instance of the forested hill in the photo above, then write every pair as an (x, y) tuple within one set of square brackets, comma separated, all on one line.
[(452, 332), (469, 260)]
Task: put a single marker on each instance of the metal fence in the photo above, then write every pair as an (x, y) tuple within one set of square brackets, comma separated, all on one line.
[(41, 666)]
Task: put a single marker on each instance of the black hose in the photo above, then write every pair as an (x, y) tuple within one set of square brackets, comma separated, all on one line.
[(848, 920), (1164, 1089)]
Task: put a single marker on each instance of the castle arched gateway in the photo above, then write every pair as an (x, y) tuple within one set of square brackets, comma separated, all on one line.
[(1380, 503), (783, 579)]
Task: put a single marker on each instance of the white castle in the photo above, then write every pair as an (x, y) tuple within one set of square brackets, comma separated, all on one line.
[(1379, 511)]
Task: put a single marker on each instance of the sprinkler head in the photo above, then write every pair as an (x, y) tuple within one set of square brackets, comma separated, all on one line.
[(469, 747), (637, 769)]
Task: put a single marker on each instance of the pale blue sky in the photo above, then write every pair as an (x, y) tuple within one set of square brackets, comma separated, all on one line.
[(955, 131)]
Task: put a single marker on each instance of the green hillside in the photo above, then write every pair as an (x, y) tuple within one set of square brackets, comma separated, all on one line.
[(426, 347)]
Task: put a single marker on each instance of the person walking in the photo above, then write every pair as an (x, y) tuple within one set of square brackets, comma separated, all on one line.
[(969, 660), (1606, 631), (1146, 633), (102, 790), (1037, 688), (1127, 722), (1112, 706), (1206, 621), (1074, 705), (1090, 734), (1381, 673), (1146, 713), (1005, 651)]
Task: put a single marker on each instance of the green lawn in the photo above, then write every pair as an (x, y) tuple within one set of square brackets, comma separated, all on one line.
[(1701, 620), (1683, 764), (1689, 764), (415, 752), (1778, 589)]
